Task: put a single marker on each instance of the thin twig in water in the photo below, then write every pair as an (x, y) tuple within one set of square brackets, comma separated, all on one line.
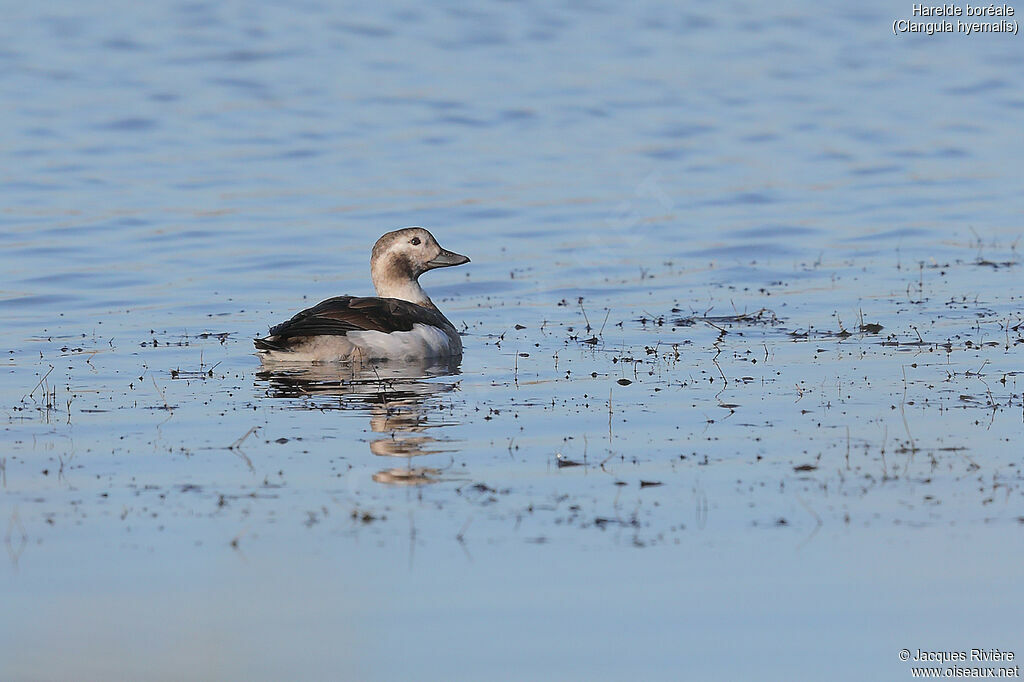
[(601, 332), (238, 443), (611, 452), (234, 541), (714, 361), (461, 535), (817, 520), (903, 413), (714, 325), (162, 397), (609, 413), (245, 458), (29, 394)]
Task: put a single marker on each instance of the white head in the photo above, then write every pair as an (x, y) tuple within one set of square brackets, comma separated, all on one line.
[(400, 257)]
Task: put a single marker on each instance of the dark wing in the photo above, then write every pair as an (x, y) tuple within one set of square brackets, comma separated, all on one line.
[(342, 314)]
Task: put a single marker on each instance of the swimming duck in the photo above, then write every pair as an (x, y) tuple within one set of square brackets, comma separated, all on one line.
[(400, 323)]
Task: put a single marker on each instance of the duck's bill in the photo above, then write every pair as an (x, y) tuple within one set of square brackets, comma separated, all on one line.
[(446, 259)]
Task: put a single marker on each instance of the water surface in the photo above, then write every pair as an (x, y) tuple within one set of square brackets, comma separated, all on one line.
[(742, 390)]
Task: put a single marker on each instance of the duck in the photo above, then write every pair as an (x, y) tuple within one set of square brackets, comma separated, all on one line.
[(400, 323)]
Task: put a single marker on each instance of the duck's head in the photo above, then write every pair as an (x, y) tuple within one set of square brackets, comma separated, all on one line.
[(400, 257)]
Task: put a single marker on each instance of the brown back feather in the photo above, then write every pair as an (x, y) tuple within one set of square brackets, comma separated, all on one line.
[(342, 314)]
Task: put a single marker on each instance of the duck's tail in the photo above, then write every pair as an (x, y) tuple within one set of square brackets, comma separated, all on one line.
[(269, 343)]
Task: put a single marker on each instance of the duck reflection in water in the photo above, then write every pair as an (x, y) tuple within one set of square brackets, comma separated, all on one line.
[(400, 398)]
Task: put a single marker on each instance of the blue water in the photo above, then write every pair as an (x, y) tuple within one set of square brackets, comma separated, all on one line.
[(675, 448)]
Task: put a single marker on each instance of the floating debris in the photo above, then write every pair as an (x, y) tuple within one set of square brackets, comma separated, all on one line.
[(563, 461)]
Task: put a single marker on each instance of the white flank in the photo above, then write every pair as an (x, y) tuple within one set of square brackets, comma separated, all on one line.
[(423, 341)]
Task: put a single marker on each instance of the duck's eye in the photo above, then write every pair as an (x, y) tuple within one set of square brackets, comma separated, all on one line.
[(415, 241)]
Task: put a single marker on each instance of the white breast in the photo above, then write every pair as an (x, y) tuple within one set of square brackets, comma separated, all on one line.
[(423, 341)]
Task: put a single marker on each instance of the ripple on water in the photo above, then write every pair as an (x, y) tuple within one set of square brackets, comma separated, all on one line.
[(883, 169), (741, 199), (37, 301), (769, 231), (685, 130), (128, 125), (979, 87), (754, 251), (885, 235)]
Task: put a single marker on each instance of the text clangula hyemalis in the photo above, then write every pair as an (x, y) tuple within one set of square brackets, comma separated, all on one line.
[(399, 323)]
